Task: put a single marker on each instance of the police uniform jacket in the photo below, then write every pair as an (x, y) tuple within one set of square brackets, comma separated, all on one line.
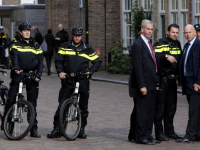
[(71, 59), (2, 38), (26, 56), (162, 47)]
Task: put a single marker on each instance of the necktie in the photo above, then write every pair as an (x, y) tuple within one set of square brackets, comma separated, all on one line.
[(184, 58), (152, 52), (186, 48)]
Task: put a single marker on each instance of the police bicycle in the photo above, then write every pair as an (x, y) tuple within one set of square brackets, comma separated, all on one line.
[(70, 114), (16, 122), (3, 95)]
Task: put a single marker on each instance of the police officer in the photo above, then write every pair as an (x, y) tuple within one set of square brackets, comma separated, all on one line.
[(197, 28), (26, 56), (2, 44), (168, 54), (74, 56)]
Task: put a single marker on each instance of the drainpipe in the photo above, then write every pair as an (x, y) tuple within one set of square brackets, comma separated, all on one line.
[(86, 21), (105, 33)]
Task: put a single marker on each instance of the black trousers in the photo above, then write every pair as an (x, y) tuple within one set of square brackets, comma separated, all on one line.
[(1, 55), (166, 103), (32, 89), (142, 116), (66, 92), (193, 127), (48, 62)]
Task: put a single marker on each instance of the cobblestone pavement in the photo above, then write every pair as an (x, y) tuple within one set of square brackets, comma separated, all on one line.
[(108, 123)]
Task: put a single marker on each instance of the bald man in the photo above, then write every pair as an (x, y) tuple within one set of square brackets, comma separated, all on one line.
[(61, 36), (190, 77)]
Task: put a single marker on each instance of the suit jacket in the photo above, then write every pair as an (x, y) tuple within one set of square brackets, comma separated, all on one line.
[(143, 73), (192, 69)]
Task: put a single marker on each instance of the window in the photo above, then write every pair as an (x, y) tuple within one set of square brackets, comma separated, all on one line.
[(162, 7), (197, 6), (174, 4), (147, 4), (29, 1), (127, 34), (184, 4), (197, 11), (175, 17), (185, 18), (197, 19), (126, 28)]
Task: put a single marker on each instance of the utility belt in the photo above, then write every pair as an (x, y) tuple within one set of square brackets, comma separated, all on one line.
[(170, 77)]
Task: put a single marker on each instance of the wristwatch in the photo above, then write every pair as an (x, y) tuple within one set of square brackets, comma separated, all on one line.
[(166, 56)]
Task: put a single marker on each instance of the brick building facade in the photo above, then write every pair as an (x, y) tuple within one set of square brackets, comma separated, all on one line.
[(102, 24)]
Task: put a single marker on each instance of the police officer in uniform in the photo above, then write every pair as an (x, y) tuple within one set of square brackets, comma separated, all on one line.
[(168, 54), (74, 56), (23, 60), (197, 28), (2, 44)]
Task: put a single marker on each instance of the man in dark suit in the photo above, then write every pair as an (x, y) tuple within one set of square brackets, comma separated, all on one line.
[(143, 81), (190, 77)]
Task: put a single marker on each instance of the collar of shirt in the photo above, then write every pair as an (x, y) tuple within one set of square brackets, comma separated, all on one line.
[(146, 41), (191, 42)]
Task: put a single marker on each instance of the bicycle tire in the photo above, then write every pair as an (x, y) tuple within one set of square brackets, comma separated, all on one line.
[(69, 115), (10, 126)]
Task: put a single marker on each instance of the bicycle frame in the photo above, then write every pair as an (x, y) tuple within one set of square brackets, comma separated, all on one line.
[(20, 95), (4, 91)]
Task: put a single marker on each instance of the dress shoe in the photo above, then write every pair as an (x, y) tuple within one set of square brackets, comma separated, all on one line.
[(161, 138), (154, 140), (130, 136), (184, 140), (82, 134), (146, 142), (34, 133), (55, 133), (174, 136)]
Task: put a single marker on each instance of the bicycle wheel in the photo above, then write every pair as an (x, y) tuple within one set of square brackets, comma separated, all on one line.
[(70, 119), (17, 126)]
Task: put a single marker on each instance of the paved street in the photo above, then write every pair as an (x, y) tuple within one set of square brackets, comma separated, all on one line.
[(108, 123)]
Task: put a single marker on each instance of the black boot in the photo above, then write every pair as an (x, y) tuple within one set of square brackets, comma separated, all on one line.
[(34, 133), (55, 133), (82, 134)]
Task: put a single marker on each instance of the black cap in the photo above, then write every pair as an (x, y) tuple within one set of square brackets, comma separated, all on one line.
[(197, 27)]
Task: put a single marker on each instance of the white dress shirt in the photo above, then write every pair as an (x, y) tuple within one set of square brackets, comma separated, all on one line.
[(146, 41), (191, 43)]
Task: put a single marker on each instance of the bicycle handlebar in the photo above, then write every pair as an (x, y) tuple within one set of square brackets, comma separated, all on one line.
[(30, 74)]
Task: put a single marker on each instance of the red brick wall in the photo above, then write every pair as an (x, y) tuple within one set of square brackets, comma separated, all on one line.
[(190, 11), (56, 13)]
